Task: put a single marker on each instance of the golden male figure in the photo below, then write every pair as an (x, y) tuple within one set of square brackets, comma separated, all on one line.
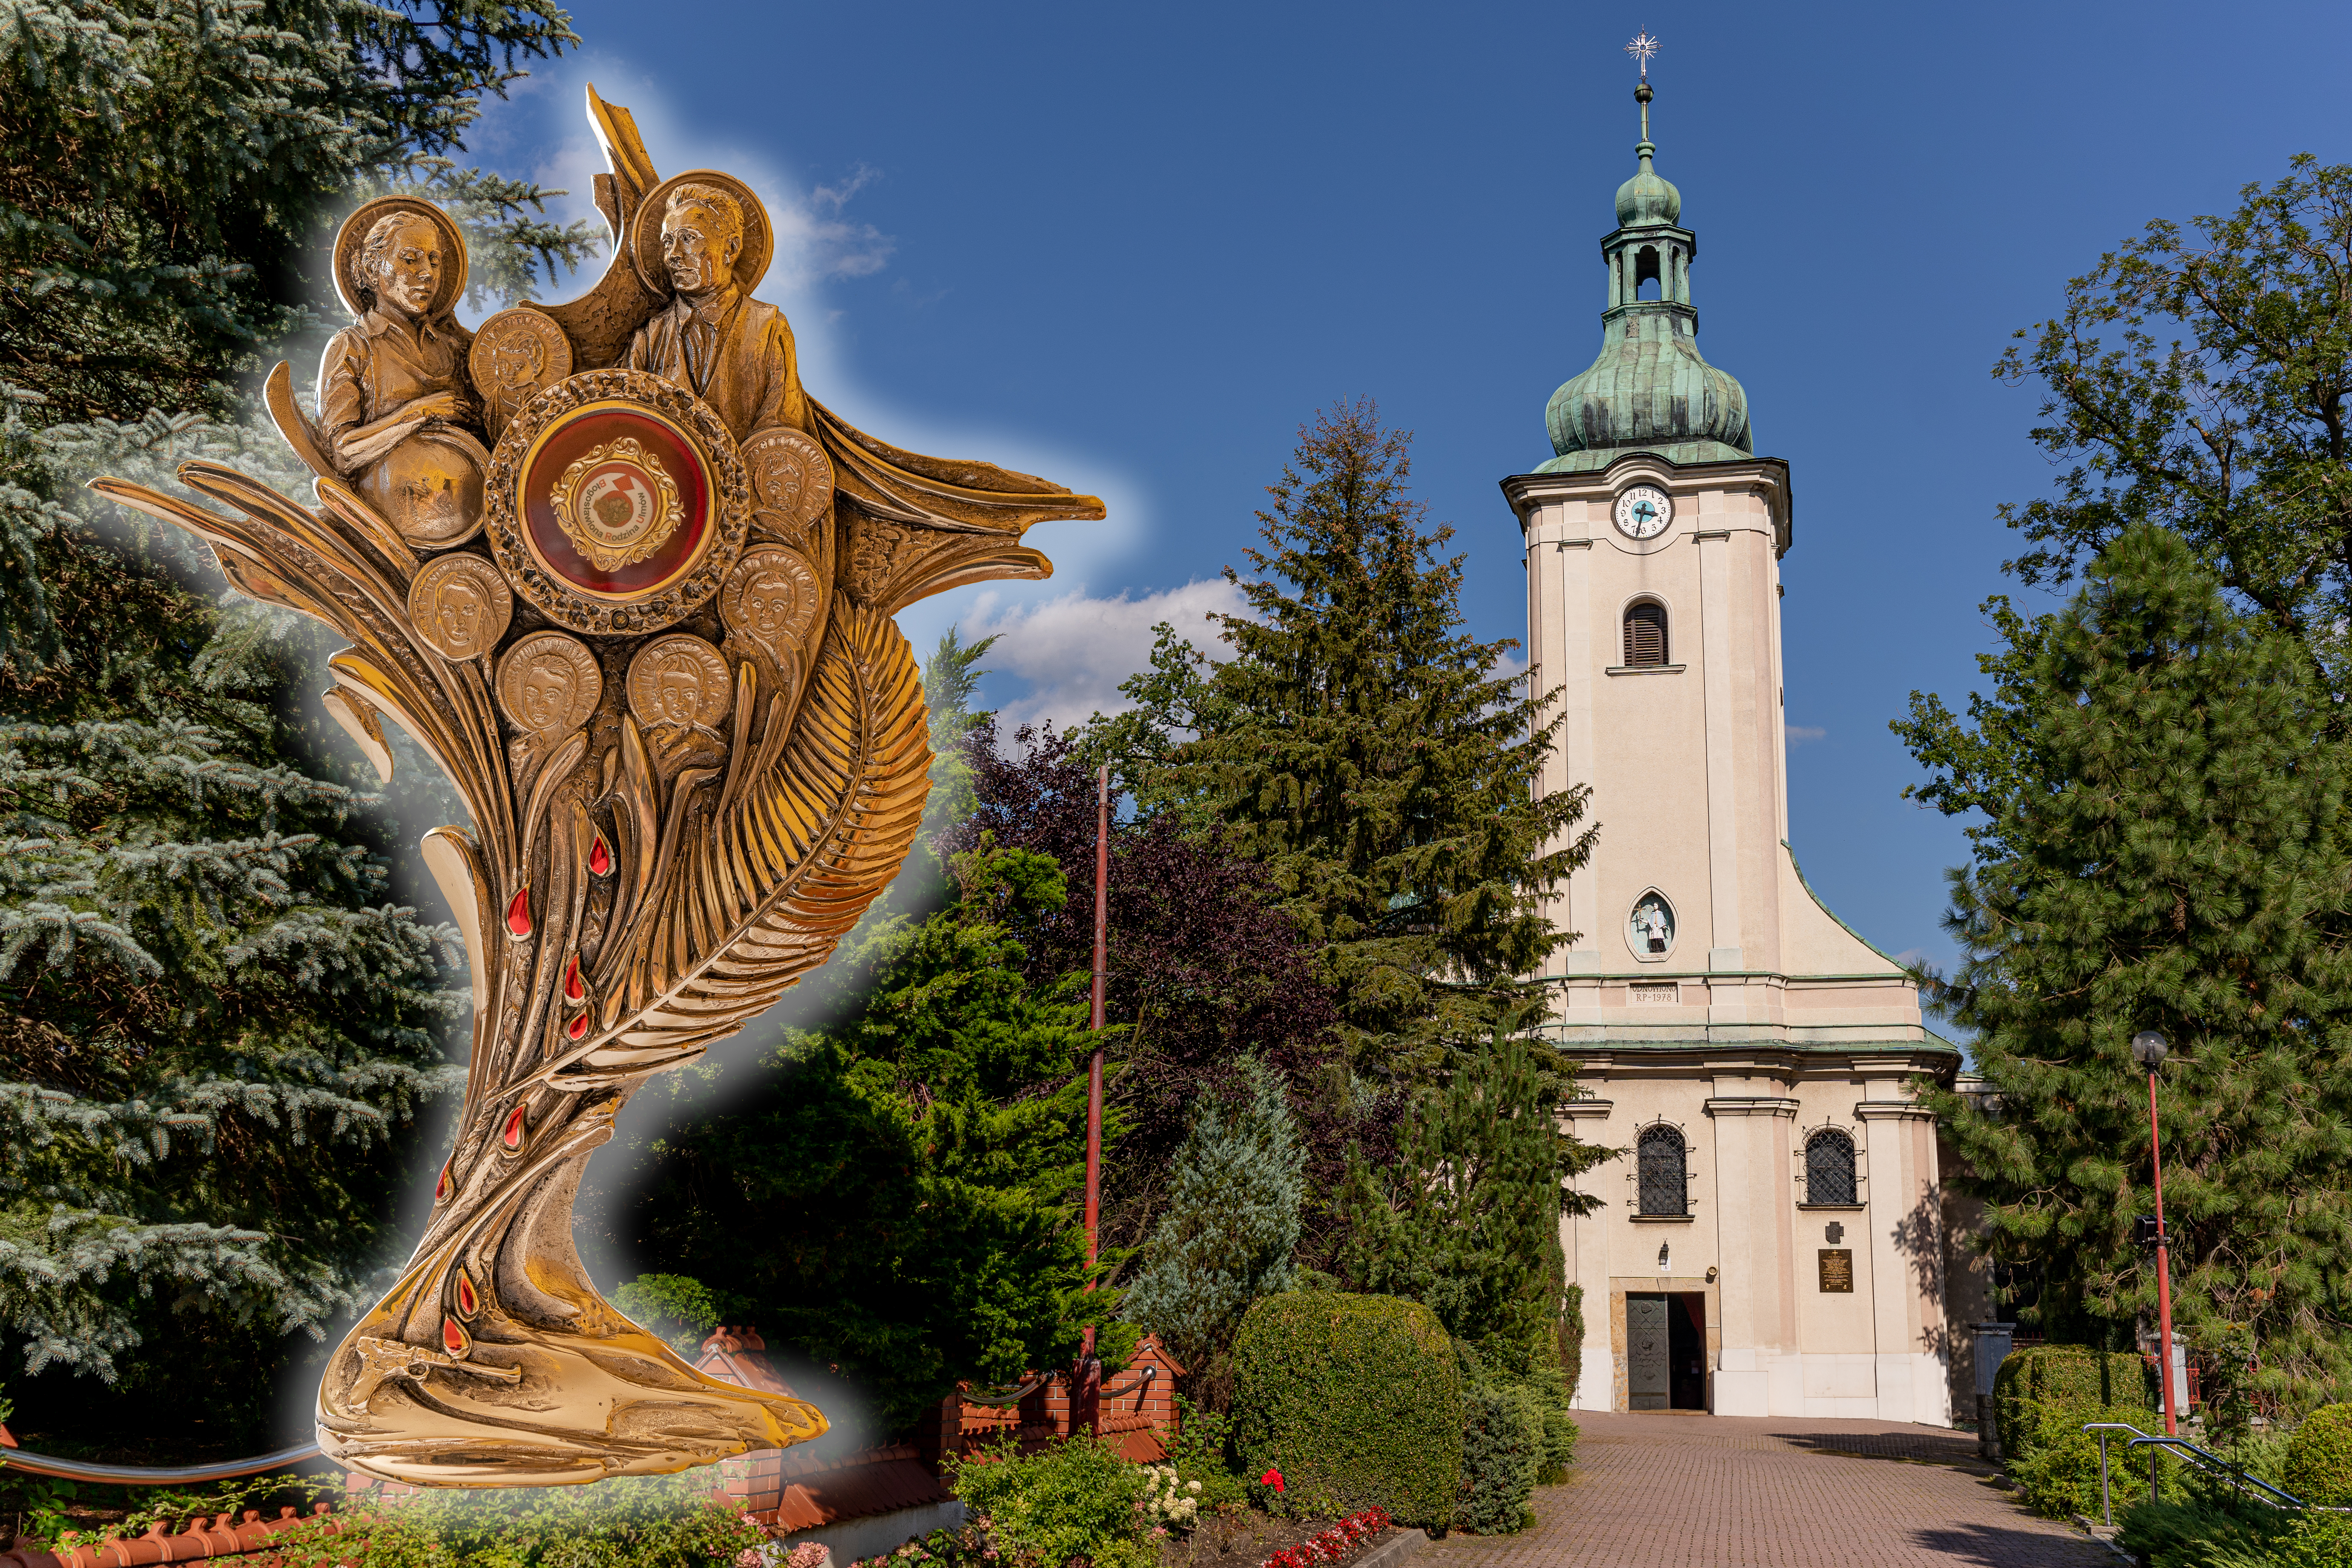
[(733, 352)]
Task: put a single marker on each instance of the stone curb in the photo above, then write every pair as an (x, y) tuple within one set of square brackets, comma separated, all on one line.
[(2104, 1536), (1393, 1552)]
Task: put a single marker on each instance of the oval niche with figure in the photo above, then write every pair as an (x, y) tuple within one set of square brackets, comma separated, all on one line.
[(1650, 927)]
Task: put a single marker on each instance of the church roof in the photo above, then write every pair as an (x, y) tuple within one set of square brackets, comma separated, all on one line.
[(1649, 389)]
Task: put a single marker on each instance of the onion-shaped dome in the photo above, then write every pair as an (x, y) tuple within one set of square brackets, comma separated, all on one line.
[(1648, 389), (1648, 198)]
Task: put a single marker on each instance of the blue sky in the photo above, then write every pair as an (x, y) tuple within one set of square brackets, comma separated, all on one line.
[(1132, 249)]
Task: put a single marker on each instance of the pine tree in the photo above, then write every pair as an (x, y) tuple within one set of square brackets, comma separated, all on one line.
[(1230, 1225), (218, 1024), (2165, 847), (1465, 1220), (1371, 755)]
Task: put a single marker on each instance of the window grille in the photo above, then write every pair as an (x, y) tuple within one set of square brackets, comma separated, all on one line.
[(1664, 1183), (1645, 635), (1829, 1168)]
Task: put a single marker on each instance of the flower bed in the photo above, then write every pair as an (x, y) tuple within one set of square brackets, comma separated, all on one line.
[(1337, 1544)]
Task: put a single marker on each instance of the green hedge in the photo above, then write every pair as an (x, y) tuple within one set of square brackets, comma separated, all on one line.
[(1076, 1498), (2319, 1457), (1357, 1400), (2042, 1380)]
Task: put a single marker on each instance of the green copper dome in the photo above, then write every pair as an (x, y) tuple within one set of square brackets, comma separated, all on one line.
[(1647, 198), (1649, 390)]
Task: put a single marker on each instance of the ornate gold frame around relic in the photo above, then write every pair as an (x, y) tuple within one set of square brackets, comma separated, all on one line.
[(684, 793)]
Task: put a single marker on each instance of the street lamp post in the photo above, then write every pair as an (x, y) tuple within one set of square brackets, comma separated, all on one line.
[(2150, 1049)]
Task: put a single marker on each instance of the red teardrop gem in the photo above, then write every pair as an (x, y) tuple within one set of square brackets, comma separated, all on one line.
[(519, 912), (573, 992), (512, 1136), (600, 857), (578, 1027), (453, 1338), (468, 1302), (442, 1188)]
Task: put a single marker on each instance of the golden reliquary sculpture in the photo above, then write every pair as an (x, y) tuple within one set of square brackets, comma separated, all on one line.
[(631, 587)]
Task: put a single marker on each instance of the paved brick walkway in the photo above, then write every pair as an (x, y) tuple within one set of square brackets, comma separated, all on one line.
[(1715, 1491)]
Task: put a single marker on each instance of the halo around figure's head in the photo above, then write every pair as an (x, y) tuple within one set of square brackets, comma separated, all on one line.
[(351, 242), (646, 226)]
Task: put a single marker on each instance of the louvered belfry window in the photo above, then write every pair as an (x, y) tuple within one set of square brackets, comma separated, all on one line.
[(1645, 635), (1663, 1176), (1829, 1168)]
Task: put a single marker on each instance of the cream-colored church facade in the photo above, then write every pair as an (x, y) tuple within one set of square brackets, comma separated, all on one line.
[(1770, 1240)]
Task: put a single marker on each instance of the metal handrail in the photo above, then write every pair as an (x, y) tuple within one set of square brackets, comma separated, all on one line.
[(151, 1475), (1001, 1398), (1141, 1386), (2203, 1458)]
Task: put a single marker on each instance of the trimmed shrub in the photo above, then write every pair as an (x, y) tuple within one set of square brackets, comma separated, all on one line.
[(2042, 1379), (1076, 1498), (1502, 1449), (2057, 1473), (2319, 1457), (1355, 1399)]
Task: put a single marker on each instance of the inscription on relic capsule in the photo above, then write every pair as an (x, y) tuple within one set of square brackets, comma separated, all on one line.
[(617, 503), (461, 606)]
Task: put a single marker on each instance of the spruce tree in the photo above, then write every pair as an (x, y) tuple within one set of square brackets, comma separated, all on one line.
[(1231, 1223), (218, 1021), (2165, 847), (1372, 755)]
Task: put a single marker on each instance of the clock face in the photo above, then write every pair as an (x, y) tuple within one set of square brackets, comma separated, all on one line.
[(1643, 511)]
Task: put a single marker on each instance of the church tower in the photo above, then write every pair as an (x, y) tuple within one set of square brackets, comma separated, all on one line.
[(1769, 1242)]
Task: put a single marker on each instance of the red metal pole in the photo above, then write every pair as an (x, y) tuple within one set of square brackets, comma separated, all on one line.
[(1102, 968), (2163, 1269), (1086, 1381)]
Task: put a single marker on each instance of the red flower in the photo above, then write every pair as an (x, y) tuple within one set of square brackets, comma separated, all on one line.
[(1271, 1479)]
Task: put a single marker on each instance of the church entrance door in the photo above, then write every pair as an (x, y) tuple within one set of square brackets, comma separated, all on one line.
[(1649, 1352), (1686, 1348)]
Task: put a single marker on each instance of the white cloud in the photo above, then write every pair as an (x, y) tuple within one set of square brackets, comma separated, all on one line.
[(1800, 733), (1072, 652)]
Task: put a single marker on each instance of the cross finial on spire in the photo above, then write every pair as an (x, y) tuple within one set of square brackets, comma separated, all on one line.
[(1641, 49)]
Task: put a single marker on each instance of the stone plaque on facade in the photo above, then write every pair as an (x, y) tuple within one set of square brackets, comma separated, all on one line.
[(1837, 1270)]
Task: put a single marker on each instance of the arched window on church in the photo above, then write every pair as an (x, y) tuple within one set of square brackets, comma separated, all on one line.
[(1646, 275), (1663, 1168), (1829, 1168), (1645, 634)]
